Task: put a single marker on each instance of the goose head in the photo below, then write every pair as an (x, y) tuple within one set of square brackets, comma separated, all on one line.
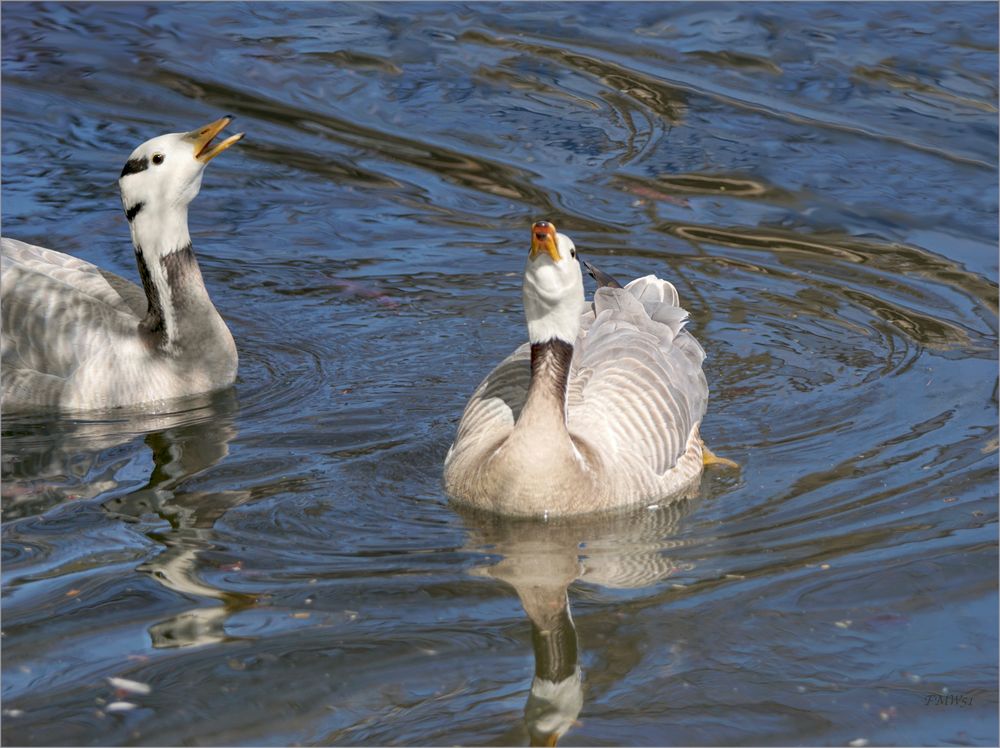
[(163, 175), (553, 286)]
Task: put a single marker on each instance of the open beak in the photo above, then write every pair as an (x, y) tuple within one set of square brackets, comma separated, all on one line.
[(204, 150), (543, 239)]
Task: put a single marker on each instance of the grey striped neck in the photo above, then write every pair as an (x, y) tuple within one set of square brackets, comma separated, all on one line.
[(550, 362), (182, 276)]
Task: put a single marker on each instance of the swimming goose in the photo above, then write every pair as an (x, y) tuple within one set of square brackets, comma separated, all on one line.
[(78, 337), (600, 409)]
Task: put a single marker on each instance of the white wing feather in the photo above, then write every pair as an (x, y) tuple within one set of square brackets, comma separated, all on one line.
[(496, 403), (57, 312), (637, 387)]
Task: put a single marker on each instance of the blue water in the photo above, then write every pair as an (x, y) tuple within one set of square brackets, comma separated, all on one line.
[(279, 564)]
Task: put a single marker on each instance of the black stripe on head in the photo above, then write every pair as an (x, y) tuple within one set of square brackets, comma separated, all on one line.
[(132, 212), (135, 165)]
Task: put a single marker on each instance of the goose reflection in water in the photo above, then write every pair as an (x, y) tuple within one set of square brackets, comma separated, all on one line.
[(178, 454), (540, 560)]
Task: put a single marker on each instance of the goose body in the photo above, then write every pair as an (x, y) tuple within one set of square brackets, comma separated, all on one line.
[(599, 410), (75, 336)]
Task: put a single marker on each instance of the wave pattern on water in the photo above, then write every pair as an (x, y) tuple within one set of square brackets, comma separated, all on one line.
[(279, 562)]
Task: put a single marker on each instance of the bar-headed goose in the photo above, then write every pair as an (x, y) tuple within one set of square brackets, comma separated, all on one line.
[(78, 337), (600, 409)]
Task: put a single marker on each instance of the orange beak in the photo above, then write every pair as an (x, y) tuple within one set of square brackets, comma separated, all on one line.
[(543, 239), (204, 151)]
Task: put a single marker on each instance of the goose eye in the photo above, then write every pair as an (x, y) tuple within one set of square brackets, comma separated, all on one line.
[(158, 158), (572, 253)]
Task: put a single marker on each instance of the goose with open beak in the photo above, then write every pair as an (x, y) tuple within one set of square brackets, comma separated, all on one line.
[(75, 337), (599, 410)]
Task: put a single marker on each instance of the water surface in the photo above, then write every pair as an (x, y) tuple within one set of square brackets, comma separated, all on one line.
[(278, 563)]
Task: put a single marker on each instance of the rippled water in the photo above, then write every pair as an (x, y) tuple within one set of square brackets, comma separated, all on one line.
[(279, 564)]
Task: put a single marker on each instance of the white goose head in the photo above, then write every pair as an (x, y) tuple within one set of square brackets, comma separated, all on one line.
[(553, 286), (161, 177)]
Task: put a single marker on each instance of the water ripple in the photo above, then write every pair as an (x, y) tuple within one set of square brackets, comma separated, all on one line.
[(817, 180)]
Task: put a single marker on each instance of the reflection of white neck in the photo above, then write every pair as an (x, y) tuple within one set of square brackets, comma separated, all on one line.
[(553, 707)]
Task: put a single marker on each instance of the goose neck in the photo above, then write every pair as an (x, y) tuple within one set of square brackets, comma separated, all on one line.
[(546, 401)]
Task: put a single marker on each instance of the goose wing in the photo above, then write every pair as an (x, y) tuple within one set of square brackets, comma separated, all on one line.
[(637, 389), (56, 311), (78, 276), (495, 405)]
